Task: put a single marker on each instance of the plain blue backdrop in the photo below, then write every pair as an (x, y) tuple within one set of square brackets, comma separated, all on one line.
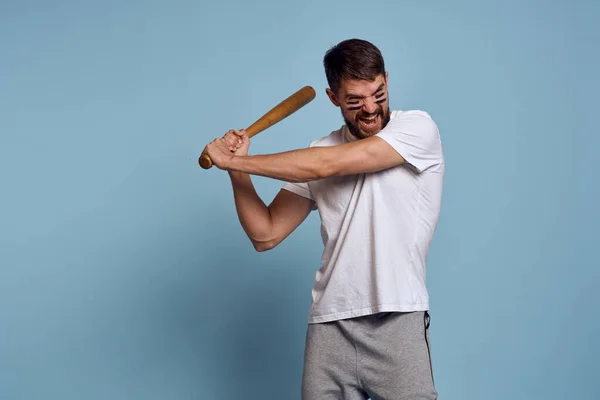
[(124, 273)]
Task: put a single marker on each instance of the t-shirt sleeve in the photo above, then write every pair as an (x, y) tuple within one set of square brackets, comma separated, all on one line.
[(301, 188), (415, 136)]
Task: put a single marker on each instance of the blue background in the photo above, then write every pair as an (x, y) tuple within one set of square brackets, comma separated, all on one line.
[(124, 271)]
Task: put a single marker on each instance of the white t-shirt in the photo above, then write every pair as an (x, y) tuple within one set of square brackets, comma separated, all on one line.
[(377, 227)]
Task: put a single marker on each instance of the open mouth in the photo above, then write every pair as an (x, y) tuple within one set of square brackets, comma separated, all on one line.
[(370, 121)]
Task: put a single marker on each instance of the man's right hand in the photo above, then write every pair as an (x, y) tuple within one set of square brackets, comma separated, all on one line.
[(238, 141)]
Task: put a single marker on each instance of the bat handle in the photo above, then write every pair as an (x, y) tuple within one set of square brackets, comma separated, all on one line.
[(205, 161)]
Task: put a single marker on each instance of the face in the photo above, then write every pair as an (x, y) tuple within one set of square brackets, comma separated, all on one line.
[(364, 105)]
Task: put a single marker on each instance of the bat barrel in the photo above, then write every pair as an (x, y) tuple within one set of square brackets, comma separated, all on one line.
[(282, 110)]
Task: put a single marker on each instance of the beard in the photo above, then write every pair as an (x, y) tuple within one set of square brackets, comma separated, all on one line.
[(354, 125)]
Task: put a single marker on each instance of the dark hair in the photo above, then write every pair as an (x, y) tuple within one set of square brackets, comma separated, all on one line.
[(352, 59)]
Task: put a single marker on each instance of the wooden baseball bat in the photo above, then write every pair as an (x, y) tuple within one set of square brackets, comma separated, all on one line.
[(281, 111)]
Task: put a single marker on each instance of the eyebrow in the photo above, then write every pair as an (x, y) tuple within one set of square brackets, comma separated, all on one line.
[(352, 95)]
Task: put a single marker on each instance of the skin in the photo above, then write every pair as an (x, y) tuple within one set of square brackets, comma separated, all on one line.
[(358, 99), (267, 226)]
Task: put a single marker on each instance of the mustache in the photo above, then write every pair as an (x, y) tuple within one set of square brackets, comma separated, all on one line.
[(366, 115), (353, 123)]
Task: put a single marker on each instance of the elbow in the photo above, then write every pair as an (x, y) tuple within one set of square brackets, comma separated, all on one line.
[(325, 169), (262, 246), (322, 166), (331, 163), (314, 172)]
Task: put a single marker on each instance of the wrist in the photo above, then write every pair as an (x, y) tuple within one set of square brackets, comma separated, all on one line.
[(234, 164), (237, 175), (233, 168)]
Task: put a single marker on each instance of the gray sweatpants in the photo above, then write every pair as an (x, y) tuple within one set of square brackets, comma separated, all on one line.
[(383, 356)]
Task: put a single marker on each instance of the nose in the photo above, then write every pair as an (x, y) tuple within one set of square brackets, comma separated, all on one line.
[(369, 106)]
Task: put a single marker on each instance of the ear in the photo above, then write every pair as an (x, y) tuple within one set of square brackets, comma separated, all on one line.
[(332, 97)]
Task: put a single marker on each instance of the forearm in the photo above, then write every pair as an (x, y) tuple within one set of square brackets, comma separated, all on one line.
[(253, 213), (291, 166)]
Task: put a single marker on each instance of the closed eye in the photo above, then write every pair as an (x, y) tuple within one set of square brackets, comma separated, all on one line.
[(355, 107), (379, 98)]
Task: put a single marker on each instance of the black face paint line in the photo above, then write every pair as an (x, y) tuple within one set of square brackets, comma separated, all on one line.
[(379, 100)]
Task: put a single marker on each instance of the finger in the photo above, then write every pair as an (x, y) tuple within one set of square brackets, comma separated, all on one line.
[(231, 140), (245, 137), (238, 139), (230, 134)]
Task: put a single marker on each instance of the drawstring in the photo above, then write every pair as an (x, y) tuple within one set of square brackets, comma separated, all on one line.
[(426, 321)]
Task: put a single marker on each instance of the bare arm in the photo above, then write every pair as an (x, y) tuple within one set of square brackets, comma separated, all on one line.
[(303, 165), (413, 136), (267, 226)]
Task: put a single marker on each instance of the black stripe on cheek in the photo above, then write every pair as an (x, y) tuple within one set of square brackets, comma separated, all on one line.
[(381, 101), (354, 108)]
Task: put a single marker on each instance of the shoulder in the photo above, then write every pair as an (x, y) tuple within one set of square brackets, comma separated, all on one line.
[(415, 135), (416, 118), (415, 124)]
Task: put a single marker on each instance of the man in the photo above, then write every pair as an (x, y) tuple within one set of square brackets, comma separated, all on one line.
[(377, 185)]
